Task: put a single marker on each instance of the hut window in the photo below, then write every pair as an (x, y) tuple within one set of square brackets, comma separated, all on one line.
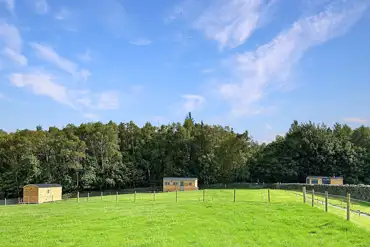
[(190, 184), (48, 191)]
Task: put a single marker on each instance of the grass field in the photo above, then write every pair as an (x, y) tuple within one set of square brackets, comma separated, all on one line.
[(250, 221)]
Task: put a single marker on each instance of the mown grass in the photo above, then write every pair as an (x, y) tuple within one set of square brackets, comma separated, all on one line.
[(250, 221)]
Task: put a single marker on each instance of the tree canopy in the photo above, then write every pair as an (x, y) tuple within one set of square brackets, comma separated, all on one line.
[(97, 156)]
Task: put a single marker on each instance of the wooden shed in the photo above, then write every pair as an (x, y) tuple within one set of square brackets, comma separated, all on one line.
[(324, 180), (178, 183), (40, 193)]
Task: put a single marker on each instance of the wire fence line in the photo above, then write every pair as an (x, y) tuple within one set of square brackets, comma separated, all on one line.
[(205, 195), (348, 204), (330, 203), (223, 195), (362, 208)]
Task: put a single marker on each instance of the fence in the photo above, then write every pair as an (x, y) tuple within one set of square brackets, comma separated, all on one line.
[(205, 195), (359, 192), (326, 201), (222, 193)]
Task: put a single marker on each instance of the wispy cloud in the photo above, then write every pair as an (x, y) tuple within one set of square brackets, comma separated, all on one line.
[(232, 22), (355, 120), (12, 43), (268, 127), (16, 57), (10, 4), (48, 54), (41, 6), (11, 37), (192, 102), (86, 56), (42, 84), (108, 100), (141, 42), (256, 71), (62, 14)]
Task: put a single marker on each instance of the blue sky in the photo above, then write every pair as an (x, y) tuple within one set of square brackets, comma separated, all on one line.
[(255, 65)]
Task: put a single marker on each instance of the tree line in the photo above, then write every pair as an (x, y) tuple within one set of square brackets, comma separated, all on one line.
[(97, 156)]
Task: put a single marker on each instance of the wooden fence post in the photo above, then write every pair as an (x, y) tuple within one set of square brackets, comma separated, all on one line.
[(5, 201), (234, 195), (78, 196), (117, 196), (88, 196), (153, 195), (101, 195), (348, 206), (135, 196), (326, 201), (304, 194), (176, 195), (269, 195), (313, 197), (204, 195)]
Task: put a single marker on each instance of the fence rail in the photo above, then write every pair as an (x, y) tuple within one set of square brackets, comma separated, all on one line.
[(231, 193)]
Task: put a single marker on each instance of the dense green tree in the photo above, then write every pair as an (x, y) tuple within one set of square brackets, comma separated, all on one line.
[(97, 156)]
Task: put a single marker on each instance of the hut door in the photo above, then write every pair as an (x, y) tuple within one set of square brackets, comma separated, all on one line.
[(182, 186)]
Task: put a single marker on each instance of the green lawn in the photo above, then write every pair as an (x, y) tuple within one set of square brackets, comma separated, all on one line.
[(251, 221)]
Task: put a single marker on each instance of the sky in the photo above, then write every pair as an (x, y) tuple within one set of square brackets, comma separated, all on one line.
[(253, 65)]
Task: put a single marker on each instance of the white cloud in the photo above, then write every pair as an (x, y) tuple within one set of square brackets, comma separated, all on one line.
[(12, 38), (85, 57), (355, 120), (12, 43), (10, 4), (47, 53), (2, 96), (62, 14), (192, 102), (232, 22), (85, 74), (16, 57), (256, 71), (42, 84), (141, 42), (41, 6), (268, 127), (108, 100)]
